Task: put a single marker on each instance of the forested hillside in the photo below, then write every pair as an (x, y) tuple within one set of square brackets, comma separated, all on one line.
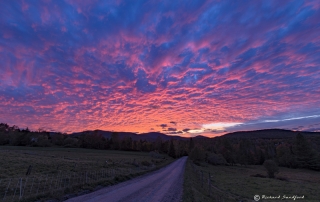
[(287, 148)]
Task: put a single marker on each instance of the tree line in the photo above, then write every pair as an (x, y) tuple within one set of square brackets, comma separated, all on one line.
[(296, 152), (13, 135)]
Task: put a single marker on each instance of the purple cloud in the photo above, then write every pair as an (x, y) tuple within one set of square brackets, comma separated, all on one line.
[(117, 65)]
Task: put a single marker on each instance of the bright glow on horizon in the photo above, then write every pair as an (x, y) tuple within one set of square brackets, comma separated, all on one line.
[(219, 125), (195, 131)]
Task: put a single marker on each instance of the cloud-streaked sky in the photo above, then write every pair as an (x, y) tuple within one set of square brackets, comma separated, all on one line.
[(179, 67)]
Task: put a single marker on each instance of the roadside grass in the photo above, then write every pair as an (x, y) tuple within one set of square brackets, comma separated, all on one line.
[(192, 190), (71, 166), (236, 183), (196, 186)]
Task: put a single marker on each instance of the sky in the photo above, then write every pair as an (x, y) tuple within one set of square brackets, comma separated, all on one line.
[(178, 67)]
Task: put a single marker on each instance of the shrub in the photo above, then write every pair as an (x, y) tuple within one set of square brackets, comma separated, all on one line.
[(216, 159), (271, 168), (70, 142), (156, 155)]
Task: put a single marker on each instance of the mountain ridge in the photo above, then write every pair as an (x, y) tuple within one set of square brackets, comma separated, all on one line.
[(152, 136), (268, 133)]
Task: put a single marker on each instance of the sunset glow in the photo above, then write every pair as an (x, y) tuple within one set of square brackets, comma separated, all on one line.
[(181, 68), (219, 126)]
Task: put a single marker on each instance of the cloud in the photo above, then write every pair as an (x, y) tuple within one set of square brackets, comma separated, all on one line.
[(174, 133), (163, 125), (131, 66), (285, 121)]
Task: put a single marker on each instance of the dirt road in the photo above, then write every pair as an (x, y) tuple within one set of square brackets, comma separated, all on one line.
[(162, 185)]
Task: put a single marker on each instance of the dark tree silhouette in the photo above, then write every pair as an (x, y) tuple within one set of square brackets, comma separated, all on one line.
[(197, 154), (306, 157), (172, 151), (191, 145), (244, 152), (158, 143), (115, 141)]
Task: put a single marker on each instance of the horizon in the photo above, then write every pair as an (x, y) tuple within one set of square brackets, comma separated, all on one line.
[(199, 68), (188, 135), (183, 135)]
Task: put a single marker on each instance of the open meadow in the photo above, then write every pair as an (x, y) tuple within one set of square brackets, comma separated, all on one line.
[(33, 173), (237, 183)]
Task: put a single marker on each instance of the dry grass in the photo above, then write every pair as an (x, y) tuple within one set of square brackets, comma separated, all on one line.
[(236, 183), (67, 168), (195, 191), (14, 161)]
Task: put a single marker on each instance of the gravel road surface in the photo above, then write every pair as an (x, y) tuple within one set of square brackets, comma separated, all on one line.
[(161, 185)]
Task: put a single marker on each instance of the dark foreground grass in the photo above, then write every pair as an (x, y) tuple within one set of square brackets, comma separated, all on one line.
[(197, 187), (64, 172), (14, 161), (236, 183), (192, 190)]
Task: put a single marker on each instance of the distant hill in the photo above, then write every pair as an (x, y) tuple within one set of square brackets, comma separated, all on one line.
[(151, 136), (269, 133), (200, 137)]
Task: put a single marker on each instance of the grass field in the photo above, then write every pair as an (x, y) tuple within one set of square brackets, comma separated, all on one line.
[(235, 183), (59, 171)]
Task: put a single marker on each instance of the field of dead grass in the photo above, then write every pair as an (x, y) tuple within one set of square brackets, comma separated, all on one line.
[(236, 183), (59, 171)]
